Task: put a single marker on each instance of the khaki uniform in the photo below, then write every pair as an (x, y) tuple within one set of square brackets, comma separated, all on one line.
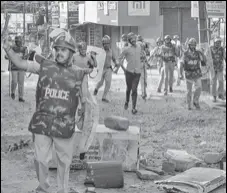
[(218, 59), (193, 74)]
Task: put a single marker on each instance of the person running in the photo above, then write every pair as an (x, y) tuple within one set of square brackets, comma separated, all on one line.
[(107, 69), (219, 56), (57, 96), (17, 73), (133, 70), (168, 54), (193, 73)]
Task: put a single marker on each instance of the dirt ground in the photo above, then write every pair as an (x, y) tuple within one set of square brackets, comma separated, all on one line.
[(165, 123)]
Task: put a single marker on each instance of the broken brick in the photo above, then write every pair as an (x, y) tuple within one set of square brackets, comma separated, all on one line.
[(212, 157), (168, 167), (155, 170), (147, 175)]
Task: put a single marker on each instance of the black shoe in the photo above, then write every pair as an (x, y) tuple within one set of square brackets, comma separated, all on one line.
[(82, 156), (134, 111), (170, 89), (95, 92), (105, 100), (13, 96), (196, 105), (214, 99), (21, 100), (126, 106), (221, 97), (159, 90)]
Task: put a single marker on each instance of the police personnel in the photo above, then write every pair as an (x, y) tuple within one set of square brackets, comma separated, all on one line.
[(57, 96), (107, 69), (191, 65), (218, 55), (17, 73), (168, 54)]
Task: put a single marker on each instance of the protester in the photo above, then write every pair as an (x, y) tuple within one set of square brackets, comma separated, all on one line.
[(132, 54), (57, 95), (219, 56), (17, 73), (107, 69), (191, 65)]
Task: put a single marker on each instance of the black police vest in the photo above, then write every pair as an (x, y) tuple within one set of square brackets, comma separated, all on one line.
[(57, 97)]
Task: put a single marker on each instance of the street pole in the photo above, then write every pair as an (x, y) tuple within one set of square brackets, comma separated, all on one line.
[(202, 27), (24, 10), (47, 32)]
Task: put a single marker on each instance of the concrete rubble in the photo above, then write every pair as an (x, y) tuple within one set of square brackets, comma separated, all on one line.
[(116, 123), (147, 175), (181, 159), (194, 180)]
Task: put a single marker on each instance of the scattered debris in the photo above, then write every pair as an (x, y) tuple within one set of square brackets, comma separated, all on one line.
[(182, 159), (168, 167), (21, 144), (194, 180), (90, 190), (202, 143), (147, 175), (135, 186), (212, 157), (158, 171), (116, 123)]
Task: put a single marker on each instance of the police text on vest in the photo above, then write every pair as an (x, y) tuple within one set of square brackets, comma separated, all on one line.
[(57, 94)]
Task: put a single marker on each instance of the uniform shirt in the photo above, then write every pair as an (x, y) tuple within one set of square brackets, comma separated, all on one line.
[(191, 64), (218, 55), (80, 61), (168, 52), (110, 55), (132, 56), (20, 51)]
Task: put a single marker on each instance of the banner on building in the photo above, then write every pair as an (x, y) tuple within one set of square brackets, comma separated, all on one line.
[(112, 5), (216, 9), (55, 14), (195, 9), (138, 8), (73, 13)]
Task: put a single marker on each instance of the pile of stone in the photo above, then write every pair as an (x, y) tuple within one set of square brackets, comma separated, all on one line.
[(179, 163)]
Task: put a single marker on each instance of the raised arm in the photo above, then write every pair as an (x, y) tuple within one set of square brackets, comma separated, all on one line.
[(23, 64)]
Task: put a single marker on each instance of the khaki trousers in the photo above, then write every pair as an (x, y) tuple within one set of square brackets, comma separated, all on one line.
[(107, 77), (198, 88), (218, 78), (43, 154), (17, 78), (168, 74), (143, 82)]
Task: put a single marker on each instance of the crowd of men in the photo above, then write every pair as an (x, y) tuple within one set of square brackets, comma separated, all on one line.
[(63, 85)]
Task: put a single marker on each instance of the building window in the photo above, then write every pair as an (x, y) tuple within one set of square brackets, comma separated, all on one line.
[(91, 35)]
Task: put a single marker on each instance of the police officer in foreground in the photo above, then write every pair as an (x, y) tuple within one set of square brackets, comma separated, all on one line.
[(192, 59), (57, 95)]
